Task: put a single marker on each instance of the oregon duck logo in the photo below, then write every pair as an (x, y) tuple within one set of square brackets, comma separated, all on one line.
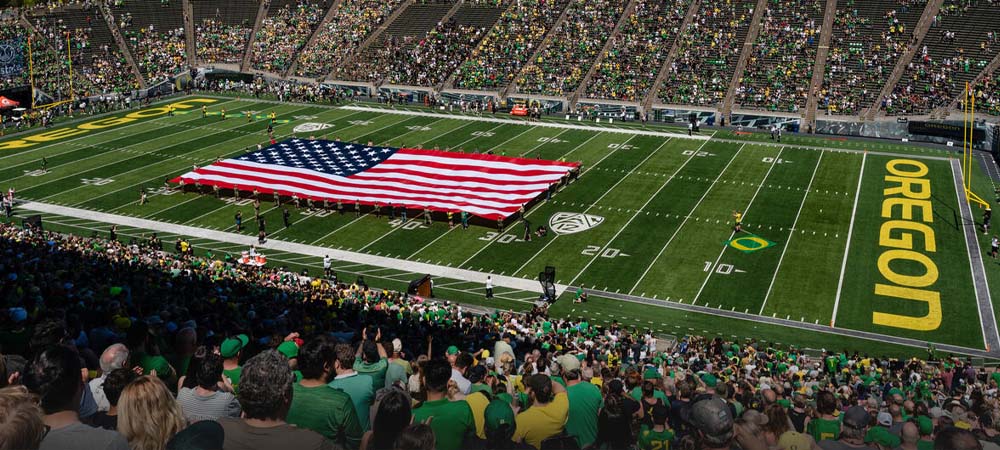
[(569, 223)]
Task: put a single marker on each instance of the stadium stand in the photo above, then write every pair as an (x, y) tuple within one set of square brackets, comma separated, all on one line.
[(49, 58), (98, 65), (284, 32), (222, 29), (868, 39), (507, 48), (636, 55), (958, 47), (438, 55), (709, 48), (988, 95), (155, 32), (397, 40), (353, 22), (283, 338), (780, 67), (559, 68)]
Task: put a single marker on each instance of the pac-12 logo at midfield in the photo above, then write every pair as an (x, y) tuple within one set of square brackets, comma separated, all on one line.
[(310, 127), (569, 223)]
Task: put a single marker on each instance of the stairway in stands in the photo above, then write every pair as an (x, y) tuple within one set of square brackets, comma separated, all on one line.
[(412, 22)]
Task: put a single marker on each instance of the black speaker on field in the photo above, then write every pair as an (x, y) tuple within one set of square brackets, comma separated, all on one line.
[(34, 221)]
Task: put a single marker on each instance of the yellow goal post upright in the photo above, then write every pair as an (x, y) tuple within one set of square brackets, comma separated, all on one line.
[(69, 63), (968, 131)]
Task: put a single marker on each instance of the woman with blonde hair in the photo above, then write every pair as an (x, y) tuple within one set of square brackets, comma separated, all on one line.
[(148, 416)]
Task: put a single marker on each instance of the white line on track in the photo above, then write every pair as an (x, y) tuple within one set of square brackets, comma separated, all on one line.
[(636, 214), (686, 218), (612, 188), (745, 212), (847, 249), (791, 233)]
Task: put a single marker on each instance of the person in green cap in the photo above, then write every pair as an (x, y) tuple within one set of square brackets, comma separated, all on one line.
[(358, 387), (318, 407), (371, 359), (231, 349), (289, 349), (925, 428), (500, 425), (659, 437), (452, 422)]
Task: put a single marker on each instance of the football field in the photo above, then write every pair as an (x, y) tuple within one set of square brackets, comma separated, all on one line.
[(835, 235)]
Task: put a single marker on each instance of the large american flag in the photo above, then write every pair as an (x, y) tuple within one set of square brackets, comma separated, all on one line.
[(489, 186)]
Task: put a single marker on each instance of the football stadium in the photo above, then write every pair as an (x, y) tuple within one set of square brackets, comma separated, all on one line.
[(566, 224)]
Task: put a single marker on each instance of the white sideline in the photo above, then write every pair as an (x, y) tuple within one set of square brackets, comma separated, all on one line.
[(565, 126), (524, 284)]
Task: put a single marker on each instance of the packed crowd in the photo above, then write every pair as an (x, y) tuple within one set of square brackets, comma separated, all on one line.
[(436, 56), (159, 53), (344, 33), (509, 45), (864, 52), (701, 71), (988, 95), (48, 66), (218, 42), (780, 67), (187, 351), (97, 69), (283, 33), (560, 67), (935, 75), (630, 65)]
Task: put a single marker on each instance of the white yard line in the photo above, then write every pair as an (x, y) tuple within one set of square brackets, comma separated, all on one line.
[(539, 205), (791, 233), (733, 234), (612, 188), (847, 248), (300, 249), (683, 222), (537, 124), (637, 212)]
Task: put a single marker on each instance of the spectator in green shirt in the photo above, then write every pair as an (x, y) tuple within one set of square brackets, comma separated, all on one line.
[(318, 407), (585, 402), (452, 422), (139, 341), (358, 387), (371, 359), (231, 349), (657, 438)]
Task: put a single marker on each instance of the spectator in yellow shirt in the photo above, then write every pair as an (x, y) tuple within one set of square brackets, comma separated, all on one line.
[(547, 414)]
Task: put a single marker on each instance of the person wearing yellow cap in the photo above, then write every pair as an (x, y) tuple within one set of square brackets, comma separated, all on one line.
[(231, 349)]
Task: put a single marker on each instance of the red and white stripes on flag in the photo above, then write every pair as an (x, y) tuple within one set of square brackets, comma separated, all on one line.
[(488, 186)]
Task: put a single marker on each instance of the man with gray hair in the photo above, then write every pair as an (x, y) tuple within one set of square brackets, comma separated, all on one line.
[(114, 357)]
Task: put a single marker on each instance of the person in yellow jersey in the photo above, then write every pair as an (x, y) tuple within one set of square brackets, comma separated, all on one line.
[(548, 412), (204, 111), (223, 113), (739, 221), (272, 116)]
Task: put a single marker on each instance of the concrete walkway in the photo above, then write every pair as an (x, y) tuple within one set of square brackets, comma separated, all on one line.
[(291, 247)]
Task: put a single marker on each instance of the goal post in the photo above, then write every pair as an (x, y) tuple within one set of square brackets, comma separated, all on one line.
[(968, 142)]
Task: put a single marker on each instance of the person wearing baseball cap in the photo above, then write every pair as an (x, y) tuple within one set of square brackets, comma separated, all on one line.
[(548, 412), (230, 350), (499, 424), (397, 357), (658, 437), (711, 421), (852, 431)]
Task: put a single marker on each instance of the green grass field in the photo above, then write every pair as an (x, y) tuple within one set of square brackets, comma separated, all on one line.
[(666, 206)]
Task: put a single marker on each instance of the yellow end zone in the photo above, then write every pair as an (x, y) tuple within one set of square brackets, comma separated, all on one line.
[(100, 124)]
